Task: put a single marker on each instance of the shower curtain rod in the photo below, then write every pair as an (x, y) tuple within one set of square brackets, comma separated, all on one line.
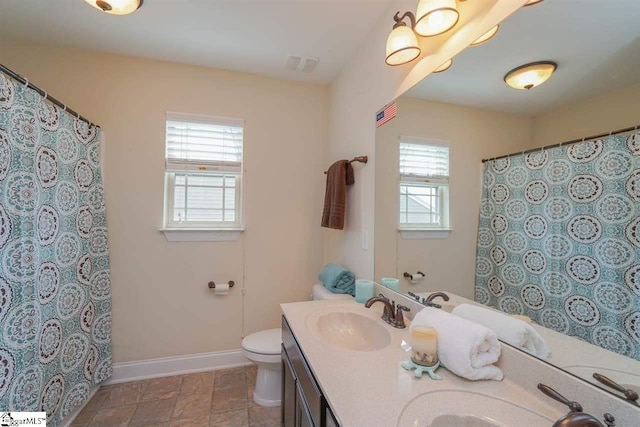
[(573, 141), (42, 93)]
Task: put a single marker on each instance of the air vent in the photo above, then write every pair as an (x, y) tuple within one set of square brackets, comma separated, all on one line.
[(303, 64)]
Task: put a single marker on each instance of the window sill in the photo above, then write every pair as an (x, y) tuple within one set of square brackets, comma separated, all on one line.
[(423, 233), (202, 234)]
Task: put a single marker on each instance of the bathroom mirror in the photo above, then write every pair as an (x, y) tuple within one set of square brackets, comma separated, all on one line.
[(471, 111)]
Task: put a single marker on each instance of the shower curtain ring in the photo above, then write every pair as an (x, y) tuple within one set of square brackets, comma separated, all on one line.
[(26, 83), (45, 94)]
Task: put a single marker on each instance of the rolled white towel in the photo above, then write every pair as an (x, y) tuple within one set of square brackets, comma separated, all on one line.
[(465, 348), (509, 329)]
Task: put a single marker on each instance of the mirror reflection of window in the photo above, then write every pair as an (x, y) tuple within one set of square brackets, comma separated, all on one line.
[(424, 184)]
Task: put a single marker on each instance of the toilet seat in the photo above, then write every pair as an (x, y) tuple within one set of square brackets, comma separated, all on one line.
[(265, 342)]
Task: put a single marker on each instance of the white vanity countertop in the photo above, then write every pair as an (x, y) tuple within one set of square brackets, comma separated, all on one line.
[(370, 388)]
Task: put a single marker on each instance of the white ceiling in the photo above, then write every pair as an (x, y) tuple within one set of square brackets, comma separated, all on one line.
[(253, 36), (596, 44)]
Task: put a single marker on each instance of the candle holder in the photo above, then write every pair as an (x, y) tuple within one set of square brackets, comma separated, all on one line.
[(424, 352)]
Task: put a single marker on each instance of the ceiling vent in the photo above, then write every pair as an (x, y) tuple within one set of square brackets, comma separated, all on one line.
[(303, 64)]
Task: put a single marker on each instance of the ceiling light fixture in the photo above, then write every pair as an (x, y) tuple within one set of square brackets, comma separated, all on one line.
[(444, 67), (402, 43), (530, 75), (116, 7), (435, 17), (532, 2), (486, 36)]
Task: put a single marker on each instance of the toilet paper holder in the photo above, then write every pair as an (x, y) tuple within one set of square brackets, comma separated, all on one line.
[(212, 284), (409, 276)]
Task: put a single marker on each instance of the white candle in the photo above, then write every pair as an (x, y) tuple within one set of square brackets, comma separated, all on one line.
[(424, 345)]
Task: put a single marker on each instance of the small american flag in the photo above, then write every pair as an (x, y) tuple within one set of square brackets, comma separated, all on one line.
[(387, 114)]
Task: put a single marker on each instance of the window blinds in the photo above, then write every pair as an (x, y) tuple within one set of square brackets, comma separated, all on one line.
[(424, 163), (203, 143)]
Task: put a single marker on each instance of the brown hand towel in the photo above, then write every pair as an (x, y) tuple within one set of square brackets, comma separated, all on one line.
[(339, 175)]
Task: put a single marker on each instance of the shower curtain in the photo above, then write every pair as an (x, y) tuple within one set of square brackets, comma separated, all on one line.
[(559, 240), (55, 292)]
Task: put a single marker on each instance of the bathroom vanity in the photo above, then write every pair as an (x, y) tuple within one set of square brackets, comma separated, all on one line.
[(341, 367), (303, 404)]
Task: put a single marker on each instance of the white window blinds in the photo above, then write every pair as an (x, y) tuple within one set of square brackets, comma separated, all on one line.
[(203, 143), (423, 163), (203, 175)]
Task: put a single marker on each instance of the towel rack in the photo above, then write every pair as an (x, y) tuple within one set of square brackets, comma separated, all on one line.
[(361, 159)]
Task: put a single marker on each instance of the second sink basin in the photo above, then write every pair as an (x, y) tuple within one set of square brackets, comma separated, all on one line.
[(352, 331), (445, 408)]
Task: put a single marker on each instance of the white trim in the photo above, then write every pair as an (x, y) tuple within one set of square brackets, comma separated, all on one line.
[(439, 233), (203, 118), (177, 365), (201, 234), (424, 141)]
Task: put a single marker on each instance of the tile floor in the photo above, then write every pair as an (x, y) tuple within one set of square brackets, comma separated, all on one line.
[(216, 398)]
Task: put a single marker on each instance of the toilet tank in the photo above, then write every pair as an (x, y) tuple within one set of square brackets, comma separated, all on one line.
[(319, 292)]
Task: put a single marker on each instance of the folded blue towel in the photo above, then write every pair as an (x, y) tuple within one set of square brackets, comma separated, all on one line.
[(337, 279)]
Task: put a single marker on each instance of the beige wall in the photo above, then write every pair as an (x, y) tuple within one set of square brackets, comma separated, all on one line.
[(161, 303), (604, 113), (362, 88), (473, 134)]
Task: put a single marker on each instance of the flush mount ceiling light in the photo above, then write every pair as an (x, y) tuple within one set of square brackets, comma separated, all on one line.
[(402, 43), (116, 7), (532, 2), (444, 67), (434, 17), (530, 75), (486, 36)]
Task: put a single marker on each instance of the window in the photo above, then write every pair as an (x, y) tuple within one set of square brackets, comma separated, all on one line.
[(203, 172), (424, 184)]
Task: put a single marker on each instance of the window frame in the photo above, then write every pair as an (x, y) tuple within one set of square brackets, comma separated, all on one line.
[(192, 168), (442, 185)]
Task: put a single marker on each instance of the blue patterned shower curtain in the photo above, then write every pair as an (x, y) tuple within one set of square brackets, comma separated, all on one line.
[(55, 292), (559, 240)]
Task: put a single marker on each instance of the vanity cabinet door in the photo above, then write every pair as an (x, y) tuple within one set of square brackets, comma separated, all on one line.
[(302, 374), (288, 393), (330, 421), (303, 416)]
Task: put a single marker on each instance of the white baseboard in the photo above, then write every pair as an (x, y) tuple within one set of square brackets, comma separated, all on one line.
[(166, 366)]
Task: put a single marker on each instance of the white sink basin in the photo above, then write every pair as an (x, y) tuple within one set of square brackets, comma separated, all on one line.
[(352, 331), (462, 408)]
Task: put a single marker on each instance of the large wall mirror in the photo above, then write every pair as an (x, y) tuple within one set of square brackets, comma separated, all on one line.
[(468, 114)]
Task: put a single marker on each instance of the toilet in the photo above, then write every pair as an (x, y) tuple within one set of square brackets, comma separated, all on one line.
[(263, 349)]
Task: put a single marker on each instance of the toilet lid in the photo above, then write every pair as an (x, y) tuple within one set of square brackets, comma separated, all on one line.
[(264, 342)]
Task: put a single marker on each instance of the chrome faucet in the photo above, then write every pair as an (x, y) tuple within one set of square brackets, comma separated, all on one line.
[(429, 301), (575, 417), (392, 314)]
